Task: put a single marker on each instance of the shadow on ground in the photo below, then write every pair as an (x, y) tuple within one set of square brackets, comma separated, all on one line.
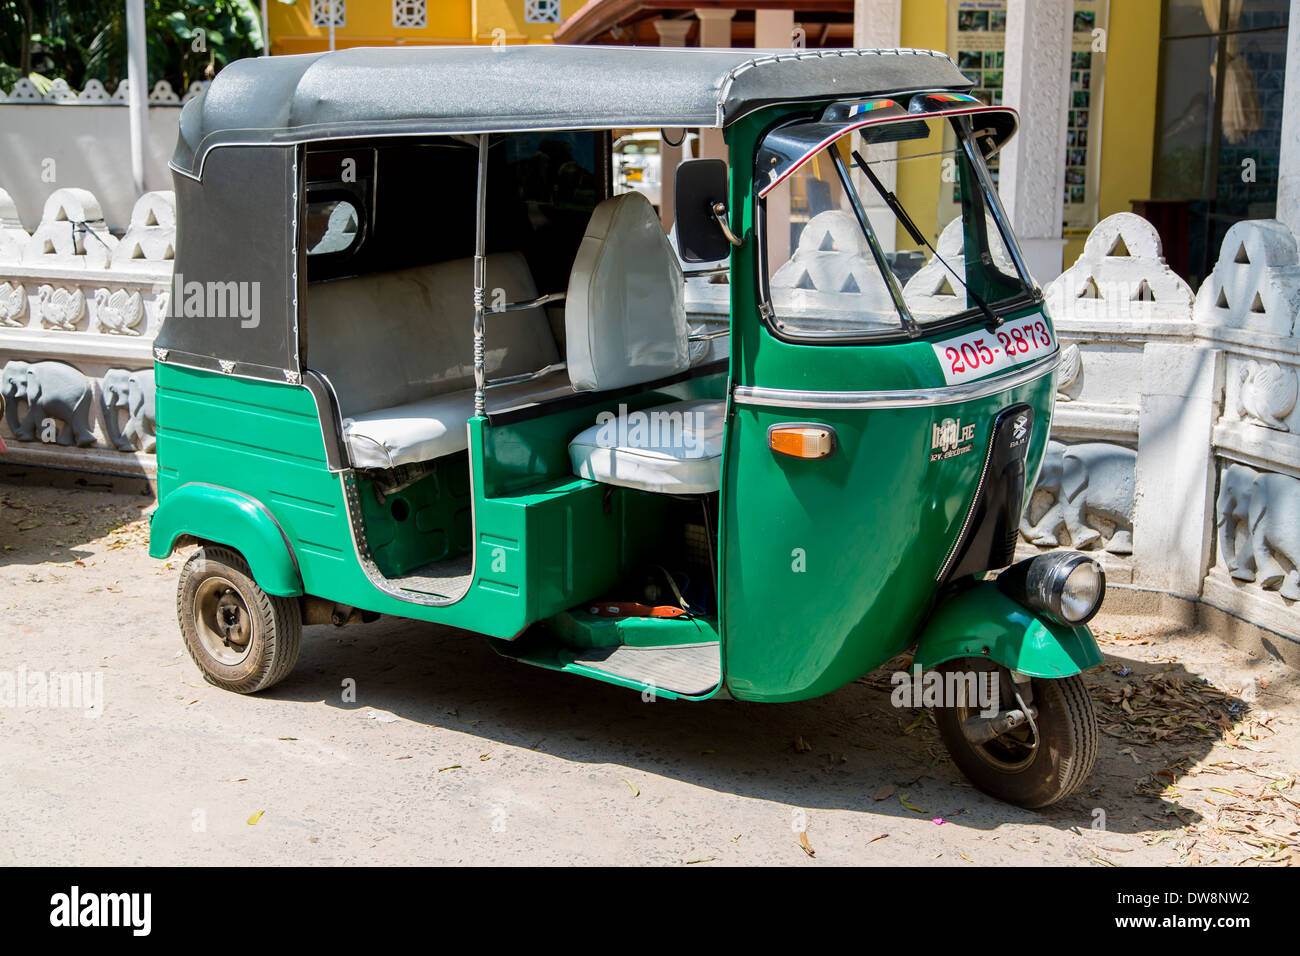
[(838, 752)]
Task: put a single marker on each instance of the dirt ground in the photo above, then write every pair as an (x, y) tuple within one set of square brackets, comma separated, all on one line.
[(452, 754)]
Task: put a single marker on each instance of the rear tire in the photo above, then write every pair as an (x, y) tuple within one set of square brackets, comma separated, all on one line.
[(1008, 767), (242, 639)]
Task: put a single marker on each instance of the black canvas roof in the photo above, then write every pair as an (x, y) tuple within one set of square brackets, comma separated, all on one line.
[(280, 100)]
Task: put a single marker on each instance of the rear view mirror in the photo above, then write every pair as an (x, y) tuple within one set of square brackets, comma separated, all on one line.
[(700, 187)]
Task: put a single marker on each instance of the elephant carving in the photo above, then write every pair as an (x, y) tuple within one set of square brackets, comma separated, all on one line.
[(1267, 506), (1090, 479), (134, 391), (51, 390)]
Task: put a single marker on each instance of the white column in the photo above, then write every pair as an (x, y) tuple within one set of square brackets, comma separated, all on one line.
[(266, 31), (671, 33), (1288, 182), (878, 24), (1174, 479), (137, 72), (1039, 38), (715, 31), (773, 29)]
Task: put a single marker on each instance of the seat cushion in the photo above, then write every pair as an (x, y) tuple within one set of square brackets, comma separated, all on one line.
[(403, 434), (674, 448), (432, 427)]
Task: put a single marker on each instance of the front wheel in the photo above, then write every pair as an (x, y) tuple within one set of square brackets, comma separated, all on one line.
[(1034, 763), (241, 638)]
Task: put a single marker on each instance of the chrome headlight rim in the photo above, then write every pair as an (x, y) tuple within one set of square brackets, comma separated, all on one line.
[(1040, 584)]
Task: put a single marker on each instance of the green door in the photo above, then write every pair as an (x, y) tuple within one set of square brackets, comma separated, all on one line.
[(830, 565)]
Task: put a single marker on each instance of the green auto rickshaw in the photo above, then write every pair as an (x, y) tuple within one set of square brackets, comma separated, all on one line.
[(420, 360)]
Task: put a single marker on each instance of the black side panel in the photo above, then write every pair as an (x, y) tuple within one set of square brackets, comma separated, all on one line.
[(989, 539), (236, 226)]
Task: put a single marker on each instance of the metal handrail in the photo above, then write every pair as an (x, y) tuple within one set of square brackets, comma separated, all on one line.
[(528, 376), (530, 304)]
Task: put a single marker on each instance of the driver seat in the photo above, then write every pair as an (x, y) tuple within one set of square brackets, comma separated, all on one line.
[(625, 325)]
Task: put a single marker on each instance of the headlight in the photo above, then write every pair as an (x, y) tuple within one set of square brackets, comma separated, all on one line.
[(1065, 585)]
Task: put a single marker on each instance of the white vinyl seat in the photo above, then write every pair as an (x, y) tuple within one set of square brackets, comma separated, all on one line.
[(625, 325), (411, 432), (435, 426), (674, 449)]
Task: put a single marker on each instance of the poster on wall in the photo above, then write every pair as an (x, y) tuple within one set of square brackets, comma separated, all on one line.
[(977, 33)]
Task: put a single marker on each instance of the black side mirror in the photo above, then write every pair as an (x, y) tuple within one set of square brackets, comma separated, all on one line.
[(700, 210)]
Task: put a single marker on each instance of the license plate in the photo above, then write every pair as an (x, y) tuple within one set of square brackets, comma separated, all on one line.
[(982, 353)]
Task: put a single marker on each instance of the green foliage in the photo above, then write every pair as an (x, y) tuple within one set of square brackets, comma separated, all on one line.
[(79, 40)]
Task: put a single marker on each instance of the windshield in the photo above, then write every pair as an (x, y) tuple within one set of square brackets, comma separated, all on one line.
[(887, 228)]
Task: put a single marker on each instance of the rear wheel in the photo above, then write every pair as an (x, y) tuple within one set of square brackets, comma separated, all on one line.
[(241, 638), (1037, 762)]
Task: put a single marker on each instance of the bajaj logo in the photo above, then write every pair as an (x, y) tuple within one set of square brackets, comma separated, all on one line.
[(1020, 425), (950, 438)]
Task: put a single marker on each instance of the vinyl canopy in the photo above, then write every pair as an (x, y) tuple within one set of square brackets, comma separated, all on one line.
[(361, 91)]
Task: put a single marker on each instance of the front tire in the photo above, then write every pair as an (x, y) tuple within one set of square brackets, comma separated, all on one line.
[(1009, 766), (242, 639)]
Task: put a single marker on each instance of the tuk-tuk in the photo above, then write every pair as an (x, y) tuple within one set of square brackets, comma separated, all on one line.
[(420, 360)]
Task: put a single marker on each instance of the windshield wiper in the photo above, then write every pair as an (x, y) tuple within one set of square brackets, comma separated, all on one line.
[(864, 223), (897, 209)]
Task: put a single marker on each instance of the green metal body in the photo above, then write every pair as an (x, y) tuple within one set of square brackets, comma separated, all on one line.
[(827, 568), (242, 463)]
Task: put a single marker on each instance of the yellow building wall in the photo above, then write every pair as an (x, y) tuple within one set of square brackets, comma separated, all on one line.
[(924, 26), (370, 23), (1128, 112)]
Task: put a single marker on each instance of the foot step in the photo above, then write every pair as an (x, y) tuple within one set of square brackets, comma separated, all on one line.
[(687, 669)]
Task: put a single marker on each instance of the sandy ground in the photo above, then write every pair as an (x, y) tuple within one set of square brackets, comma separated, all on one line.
[(451, 754)]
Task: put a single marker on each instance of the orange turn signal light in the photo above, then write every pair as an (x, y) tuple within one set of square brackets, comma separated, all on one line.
[(801, 441)]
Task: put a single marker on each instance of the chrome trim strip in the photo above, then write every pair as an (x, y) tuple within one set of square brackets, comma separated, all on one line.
[(322, 392), (946, 395)]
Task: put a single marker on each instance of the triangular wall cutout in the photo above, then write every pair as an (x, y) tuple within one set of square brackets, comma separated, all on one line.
[(1241, 256), (151, 219), (1119, 248), (805, 281), (945, 288), (850, 285), (1144, 293), (137, 252), (1222, 302), (1090, 290), (1257, 305), (828, 244)]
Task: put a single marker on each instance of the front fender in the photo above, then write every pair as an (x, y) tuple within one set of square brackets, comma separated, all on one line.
[(222, 516), (983, 622)]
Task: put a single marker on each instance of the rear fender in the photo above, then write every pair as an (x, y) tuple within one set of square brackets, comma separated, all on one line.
[(221, 516)]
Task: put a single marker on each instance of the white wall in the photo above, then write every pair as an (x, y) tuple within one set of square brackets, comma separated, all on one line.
[(91, 149)]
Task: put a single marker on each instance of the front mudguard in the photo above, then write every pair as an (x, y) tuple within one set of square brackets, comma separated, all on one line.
[(981, 621)]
